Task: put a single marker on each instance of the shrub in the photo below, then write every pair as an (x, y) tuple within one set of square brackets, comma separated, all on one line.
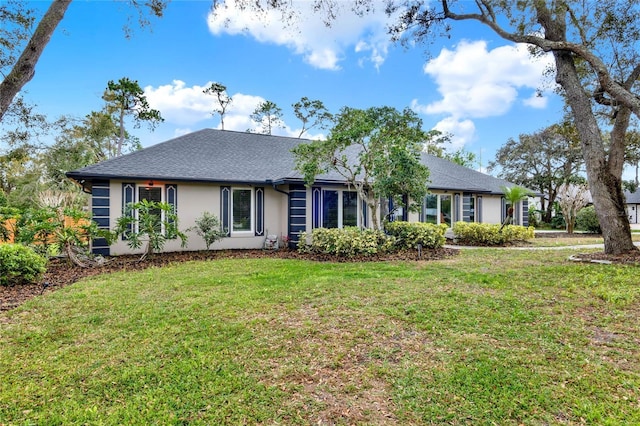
[(208, 227), (484, 234), (20, 264), (587, 220), (346, 242), (409, 234)]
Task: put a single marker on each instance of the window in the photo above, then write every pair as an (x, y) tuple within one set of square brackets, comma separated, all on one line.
[(437, 209), (152, 194), (339, 208), (431, 209), (241, 210), (349, 208)]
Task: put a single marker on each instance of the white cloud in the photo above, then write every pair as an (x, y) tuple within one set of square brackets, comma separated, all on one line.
[(475, 82), (180, 104), (306, 34), (462, 131)]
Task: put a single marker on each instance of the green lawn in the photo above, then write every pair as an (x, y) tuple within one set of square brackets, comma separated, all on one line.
[(490, 337)]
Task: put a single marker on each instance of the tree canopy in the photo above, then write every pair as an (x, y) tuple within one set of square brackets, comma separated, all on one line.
[(543, 161), (377, 151)]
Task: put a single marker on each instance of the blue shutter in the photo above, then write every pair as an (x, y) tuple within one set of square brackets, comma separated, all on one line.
[(405, 208), (128, 197), (466, 207), (391, 215), (365, 217), (171, 196), (100, 213), (479, 208), (225, 209), (259, 212), (316, 206)]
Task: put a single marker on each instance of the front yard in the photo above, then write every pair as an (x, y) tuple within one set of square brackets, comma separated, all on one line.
[(491, 336)]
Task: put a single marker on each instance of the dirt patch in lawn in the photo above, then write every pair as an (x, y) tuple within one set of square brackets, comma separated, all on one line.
[(61, 273)]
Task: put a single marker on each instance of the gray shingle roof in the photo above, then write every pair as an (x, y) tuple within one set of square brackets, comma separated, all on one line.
[(226, 156), (632, 197)]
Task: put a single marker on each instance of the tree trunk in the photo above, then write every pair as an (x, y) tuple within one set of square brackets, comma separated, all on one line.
[(24, 69), (605, 186)]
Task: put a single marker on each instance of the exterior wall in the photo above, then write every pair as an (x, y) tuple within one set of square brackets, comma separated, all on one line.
[(491, 209), (633, 214), (192, 201)]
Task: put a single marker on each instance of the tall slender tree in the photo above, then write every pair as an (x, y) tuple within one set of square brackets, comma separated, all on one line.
[(224, 100), (268, 116), (312, 113), (126, 98)]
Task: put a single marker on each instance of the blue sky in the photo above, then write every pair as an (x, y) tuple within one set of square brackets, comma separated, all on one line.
[(476, 86)]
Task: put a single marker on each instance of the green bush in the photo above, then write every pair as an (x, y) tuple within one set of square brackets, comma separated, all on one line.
[(346, 242), (409, 234), (587, 220), (484, 234), (20, 264)]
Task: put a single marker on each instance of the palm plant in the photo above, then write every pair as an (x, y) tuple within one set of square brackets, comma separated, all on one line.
[(514, 194)]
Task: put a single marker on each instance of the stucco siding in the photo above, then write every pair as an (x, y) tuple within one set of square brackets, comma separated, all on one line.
[(491, 209), (192, 201)]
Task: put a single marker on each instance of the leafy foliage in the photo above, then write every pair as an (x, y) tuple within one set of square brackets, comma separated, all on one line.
[(20, 264), (209, 228), (312, 113), (224, 100), (485, 234), (587, 220), (268, 116), (377, 151), (126, 98), (543, 160), (346, 242), (409, 235), (150, 221)]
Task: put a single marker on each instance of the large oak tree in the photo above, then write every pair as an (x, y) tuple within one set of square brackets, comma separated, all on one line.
[(594, 44)]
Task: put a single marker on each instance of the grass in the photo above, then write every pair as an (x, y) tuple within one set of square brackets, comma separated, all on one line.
[(541, 241), (489, 337)]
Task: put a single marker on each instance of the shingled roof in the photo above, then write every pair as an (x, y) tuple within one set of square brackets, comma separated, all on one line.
[(226, 156)]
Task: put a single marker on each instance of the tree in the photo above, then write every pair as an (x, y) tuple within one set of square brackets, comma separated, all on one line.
[(268, 115), (572, 198), (513, 195), (17, 34), (461, 157), (126, 98), (377, 151), (543, 161), (594, 47), (22, 20), (220, 92), (312, 114)]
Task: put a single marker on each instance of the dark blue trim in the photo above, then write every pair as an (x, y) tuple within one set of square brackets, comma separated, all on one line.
[(225, 208), (128, 196), (297, 215), (259, 212), (365, 217), (316, 206), (100, 214)]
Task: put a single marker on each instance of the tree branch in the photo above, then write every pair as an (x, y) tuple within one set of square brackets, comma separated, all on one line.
[(24, 69)]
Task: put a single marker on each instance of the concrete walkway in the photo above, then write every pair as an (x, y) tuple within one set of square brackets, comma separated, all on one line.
[(576, 247)]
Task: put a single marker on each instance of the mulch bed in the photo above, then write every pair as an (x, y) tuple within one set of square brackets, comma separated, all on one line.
[(60, 272)]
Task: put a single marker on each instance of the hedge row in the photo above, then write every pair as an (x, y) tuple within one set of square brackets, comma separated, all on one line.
[(410, 235), (484, 234), (350, 242)]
